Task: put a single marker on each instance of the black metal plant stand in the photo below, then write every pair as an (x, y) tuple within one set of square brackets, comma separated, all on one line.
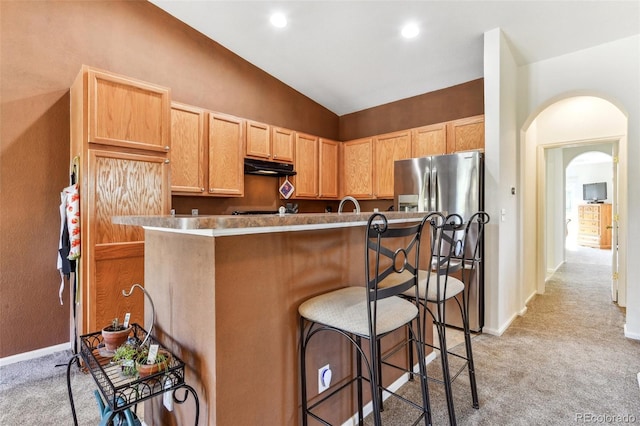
[(122, 392)]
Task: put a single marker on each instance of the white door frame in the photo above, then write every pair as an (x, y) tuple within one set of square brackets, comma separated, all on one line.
[(542, 236)]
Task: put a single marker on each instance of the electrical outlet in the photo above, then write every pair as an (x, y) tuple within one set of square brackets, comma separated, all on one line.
[(324, 378)]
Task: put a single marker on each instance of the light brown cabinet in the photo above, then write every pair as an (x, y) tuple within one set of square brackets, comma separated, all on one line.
[(594, 225), (316, 167), (208, 152), (189, 149), (282, 142), (125, 112), (465, 134), (120, 135), (389, 148), (429, 140), (328, 163), (357, 168), (269, 143), (305, 181), (226, 155)]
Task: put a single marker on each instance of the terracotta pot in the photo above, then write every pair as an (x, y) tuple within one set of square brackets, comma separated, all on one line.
[(145, 370), (114, 338)]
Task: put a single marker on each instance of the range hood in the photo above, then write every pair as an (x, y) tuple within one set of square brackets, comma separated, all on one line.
[(267, 168)]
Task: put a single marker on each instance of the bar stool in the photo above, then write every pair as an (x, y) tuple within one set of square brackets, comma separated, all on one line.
[(456, 248), (371, 312)]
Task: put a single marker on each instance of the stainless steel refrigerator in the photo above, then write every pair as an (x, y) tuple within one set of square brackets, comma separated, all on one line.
[(452, 183)]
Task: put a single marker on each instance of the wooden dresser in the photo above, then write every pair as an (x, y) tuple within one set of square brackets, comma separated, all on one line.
[(594, 221)]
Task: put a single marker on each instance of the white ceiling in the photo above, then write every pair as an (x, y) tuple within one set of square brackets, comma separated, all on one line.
[(349, 56)]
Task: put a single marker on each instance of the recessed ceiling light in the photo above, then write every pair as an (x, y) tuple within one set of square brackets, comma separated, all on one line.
[(410, 31), (278, 20)]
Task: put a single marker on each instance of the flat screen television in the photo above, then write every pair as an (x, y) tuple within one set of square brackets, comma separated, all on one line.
[(594, 192)]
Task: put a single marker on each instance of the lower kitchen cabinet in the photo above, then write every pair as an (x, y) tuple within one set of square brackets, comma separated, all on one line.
[(117, 184)]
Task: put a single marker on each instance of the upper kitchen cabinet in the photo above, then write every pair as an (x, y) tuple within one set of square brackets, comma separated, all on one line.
[(328, 161), (207, 155), (357, 168), (120, 132), (465, 134), (226, 155), (125, 112), (429, 140), (305, 181), (282, 142), (389, 148), (269, 143), (189, 159), (316, 165)]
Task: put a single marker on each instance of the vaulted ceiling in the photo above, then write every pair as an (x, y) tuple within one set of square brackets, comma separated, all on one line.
[(349, 55)]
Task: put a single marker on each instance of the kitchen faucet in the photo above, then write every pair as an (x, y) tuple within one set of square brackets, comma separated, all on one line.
[(349, 198)]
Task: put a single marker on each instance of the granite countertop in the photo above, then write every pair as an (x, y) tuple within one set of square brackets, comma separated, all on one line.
[(223, 225)]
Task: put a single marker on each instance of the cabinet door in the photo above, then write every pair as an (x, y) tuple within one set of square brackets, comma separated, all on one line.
[(258, 140), (429, 140), (282, 141), (466, 134), (357, 168), (226, 155), (126, 112), (188, 155), (306, 165), (389, 148), (328, 169), (118, 184)]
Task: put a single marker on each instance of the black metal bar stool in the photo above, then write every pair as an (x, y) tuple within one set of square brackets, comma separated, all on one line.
[(371, 311), (457, 250)]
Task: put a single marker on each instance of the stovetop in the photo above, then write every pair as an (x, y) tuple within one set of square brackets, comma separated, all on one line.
[(242, 212)]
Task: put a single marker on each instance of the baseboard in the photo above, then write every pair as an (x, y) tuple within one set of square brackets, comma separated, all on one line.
[(368, 409), (629, 335), (26, 356), (530, 298), (501, 330)]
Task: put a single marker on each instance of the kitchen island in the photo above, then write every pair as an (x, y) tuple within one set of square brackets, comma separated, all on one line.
[(226, 291)]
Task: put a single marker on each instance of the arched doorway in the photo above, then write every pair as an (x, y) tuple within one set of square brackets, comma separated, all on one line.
[(576, 122)]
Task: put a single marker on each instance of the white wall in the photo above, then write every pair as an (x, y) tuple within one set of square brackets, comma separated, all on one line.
[(609, 71), (554, 198), (502, 294)]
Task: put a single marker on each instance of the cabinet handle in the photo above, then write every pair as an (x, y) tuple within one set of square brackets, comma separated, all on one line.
[(166, 148), (166, 161), (210, 189), (275, 156)]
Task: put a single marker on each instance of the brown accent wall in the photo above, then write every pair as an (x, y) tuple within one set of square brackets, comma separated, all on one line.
[(462, 100), (43, 45)]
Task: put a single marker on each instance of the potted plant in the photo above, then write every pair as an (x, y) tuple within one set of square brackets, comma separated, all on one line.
[(126, 356), (162, 361), (115, 335)]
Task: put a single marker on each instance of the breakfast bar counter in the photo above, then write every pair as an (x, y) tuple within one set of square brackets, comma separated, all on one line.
[(226, 290)]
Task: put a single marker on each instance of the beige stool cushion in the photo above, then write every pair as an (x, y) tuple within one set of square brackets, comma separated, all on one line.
[(346, 309), (454, 285)]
